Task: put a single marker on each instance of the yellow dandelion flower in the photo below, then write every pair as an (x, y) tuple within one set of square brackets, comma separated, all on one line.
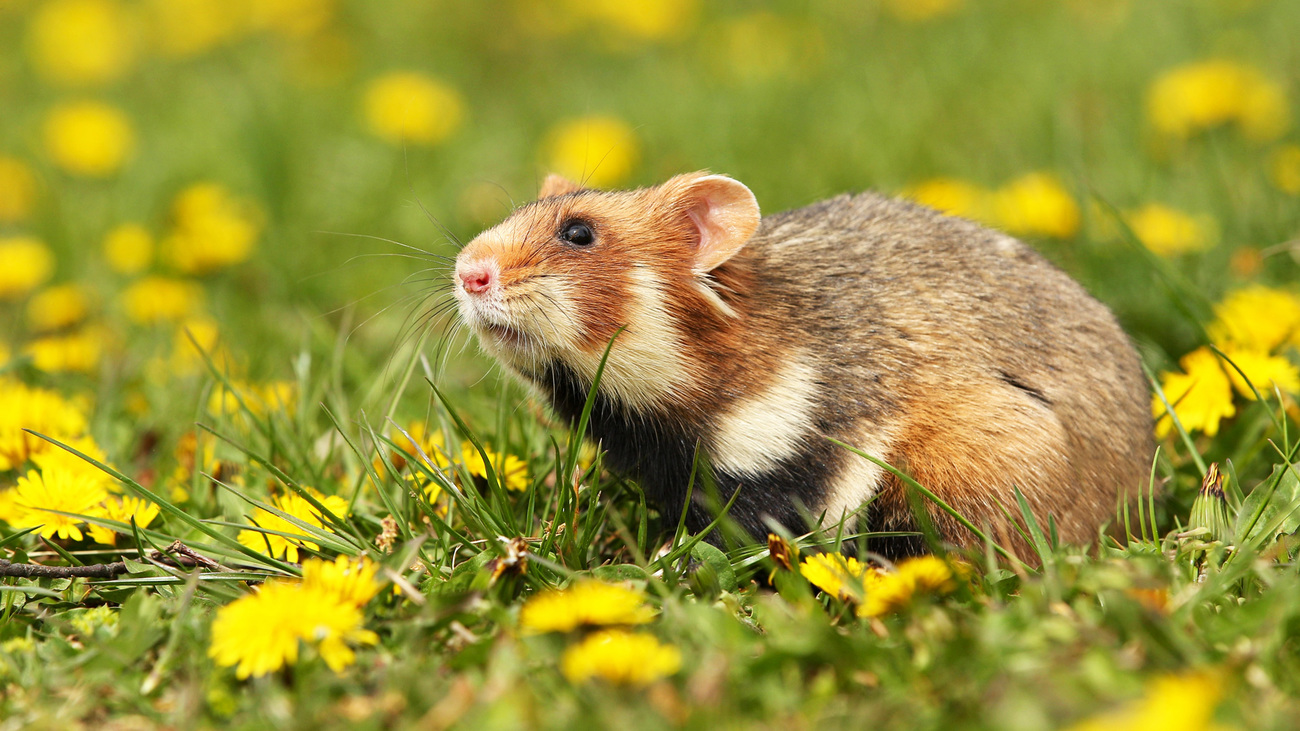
[(76, 352), (893, 591), (1036, 205), (650, 20), (58, 459), (407, 107), (840, 576), (122, 510), (260, 633), (151, 300), (620, 657), (193, 337), (917, 11), (1257, 318), (40, 492), (213, 229), (17, 190), (277, 546), (512, 471), (182, 28), (1201, 395), (1186, 701), (349, 580), (88, 138), (128, 248), (58, 307), (599, 151), (260, 399), (953, 197), (81, 42), (28, 264), (39, 410), (1169, 231), (9, 510), (428, 446), (1283, 170), (1195, 97), (931, 574), (584, 603), (1263, 370)]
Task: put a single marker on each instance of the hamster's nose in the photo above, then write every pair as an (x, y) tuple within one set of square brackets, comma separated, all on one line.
[(476, 278)]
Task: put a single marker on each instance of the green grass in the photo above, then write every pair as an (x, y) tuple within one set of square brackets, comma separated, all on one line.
[(332, 303)]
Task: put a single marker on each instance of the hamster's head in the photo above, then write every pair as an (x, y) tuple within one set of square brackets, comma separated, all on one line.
[(556, 280)]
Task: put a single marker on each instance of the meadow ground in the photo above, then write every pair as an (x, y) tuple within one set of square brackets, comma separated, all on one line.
[(312, 506)]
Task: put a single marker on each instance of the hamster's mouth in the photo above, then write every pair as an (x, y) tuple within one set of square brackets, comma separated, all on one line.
[(507, 335)]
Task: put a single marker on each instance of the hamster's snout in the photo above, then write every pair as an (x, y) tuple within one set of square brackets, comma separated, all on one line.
[(476, 277)]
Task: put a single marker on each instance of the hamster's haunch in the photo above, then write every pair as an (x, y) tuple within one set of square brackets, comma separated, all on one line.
[(953, 352)]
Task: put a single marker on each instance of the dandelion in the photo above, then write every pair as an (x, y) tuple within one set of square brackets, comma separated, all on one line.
[(1169, 231), (1201, 395), (151, 300), (58, 459), (919, 11), (28, 264), (952, 196), (297, 18), (76, 352), (650, 20), (1185, 702), (1264, 371), (128, 248), (1257, 317), (1283, 170), (895, 590), (841, 576), (260, 633), (9, 510), (1036, 205), (599, 151), (184, 28), (213, 229), (81, 42), (258, 399), (418, 441), (408, 107), (123, 510), (88, 138), (351, 581), (17, 190), (620, 657), (1199, 96), (39, 410), (58, 307), (584, 603), (511, 470), (38, 493), (294, 505)]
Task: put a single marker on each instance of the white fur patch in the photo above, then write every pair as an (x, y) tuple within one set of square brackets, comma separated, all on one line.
[(858, 481), (756, 434)]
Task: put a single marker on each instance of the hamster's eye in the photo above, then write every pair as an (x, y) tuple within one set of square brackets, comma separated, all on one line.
[(577, 233)]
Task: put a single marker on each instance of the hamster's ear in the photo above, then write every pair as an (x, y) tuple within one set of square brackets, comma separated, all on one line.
[(723, 211), (557, 185)]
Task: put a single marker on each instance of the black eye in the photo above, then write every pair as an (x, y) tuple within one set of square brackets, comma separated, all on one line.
[(577, 233)]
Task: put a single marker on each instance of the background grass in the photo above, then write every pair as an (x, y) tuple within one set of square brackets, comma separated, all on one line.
[(822, 99)]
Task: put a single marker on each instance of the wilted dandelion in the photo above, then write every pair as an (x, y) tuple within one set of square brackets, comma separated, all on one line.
[(123, 510), (82, 42), (1201, 395), (598, 151), (1199, 96), (152, 300), (278, 546), (212, 229), (620, 657), (88, 138), (1257, 317), (1169, 231), (28, 264), (39, 410), (128, 248), (408, 107), (584, 603), (1036, 205), (17, 190)]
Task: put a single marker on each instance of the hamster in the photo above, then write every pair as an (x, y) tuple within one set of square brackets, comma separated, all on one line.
[(950, 351)]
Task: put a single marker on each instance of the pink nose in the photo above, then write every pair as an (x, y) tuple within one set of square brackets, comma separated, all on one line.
[(476, 279)]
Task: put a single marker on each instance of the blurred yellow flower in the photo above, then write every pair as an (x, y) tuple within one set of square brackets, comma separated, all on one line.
[(1263, 371), (46, 490), (82, 42), (298, 507), (620, 657), (213, 229), (9, 510), (88, 138), (259, 633), (597, 151), (161, 299), (1169, 231), (762, 45), (409, 107), (1198, 96), (189, 27), (892, 591), (58, 307), (349, 580), (953, 197), (428, 446), (40, 410), (512, 471), (915, 11), (58, 459), (28, 264), (1036, 205), (17, 190), (259, 398), (1183, 702), (78, 352), (1201, 395), (843, 577), (292, 17), (584, 603), (645, 19), (1257, 318), (128, 248), (123, 510), (1283, 169)]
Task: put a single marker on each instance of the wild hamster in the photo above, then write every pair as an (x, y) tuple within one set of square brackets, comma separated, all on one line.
[(950, 351)]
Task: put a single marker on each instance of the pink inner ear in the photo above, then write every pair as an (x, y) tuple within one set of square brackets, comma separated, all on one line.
[(725, 214)]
